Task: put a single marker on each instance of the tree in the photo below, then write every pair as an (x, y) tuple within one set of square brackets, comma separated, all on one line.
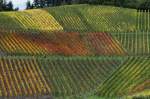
[(145, 6), (56, 2), (96, 1), (41, 3), (29, 5), (1, 4), (16, 9), (37, 3), (68, 2), (9, 6), (119, 2), (84, 1)]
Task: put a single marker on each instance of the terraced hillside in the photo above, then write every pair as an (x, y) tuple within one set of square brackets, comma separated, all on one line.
[(76, 18), (75, 52), (95, 18), (66, 44), (132, 76)]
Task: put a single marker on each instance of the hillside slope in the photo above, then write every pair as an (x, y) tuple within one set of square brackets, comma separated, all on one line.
[(65, 44), (131, 77), (74, 18), (75, 51)]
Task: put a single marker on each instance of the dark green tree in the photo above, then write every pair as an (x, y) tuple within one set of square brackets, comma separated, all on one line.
[(144, 5), (120, 3), (57, 2), (1, 3), (9, 6), (41, 3), (96, 2), (38, 3), (83, 1), (68, 2), (29, 5)]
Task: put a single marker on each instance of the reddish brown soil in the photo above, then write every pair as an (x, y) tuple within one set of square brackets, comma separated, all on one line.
[(104, 44), (59, 43), (73, 43), (141, 87)]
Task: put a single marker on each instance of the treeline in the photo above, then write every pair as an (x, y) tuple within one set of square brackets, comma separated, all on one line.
[(7, 6), (47, 3), (121, 3)]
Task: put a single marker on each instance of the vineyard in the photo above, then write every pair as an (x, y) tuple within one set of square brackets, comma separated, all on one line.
[(76, 18), (90, 44), (133, 72), (95, 19), (75, 52)]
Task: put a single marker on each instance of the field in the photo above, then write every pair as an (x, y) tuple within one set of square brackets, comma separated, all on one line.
[(76, 18), (75, 52), (66, 44)]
